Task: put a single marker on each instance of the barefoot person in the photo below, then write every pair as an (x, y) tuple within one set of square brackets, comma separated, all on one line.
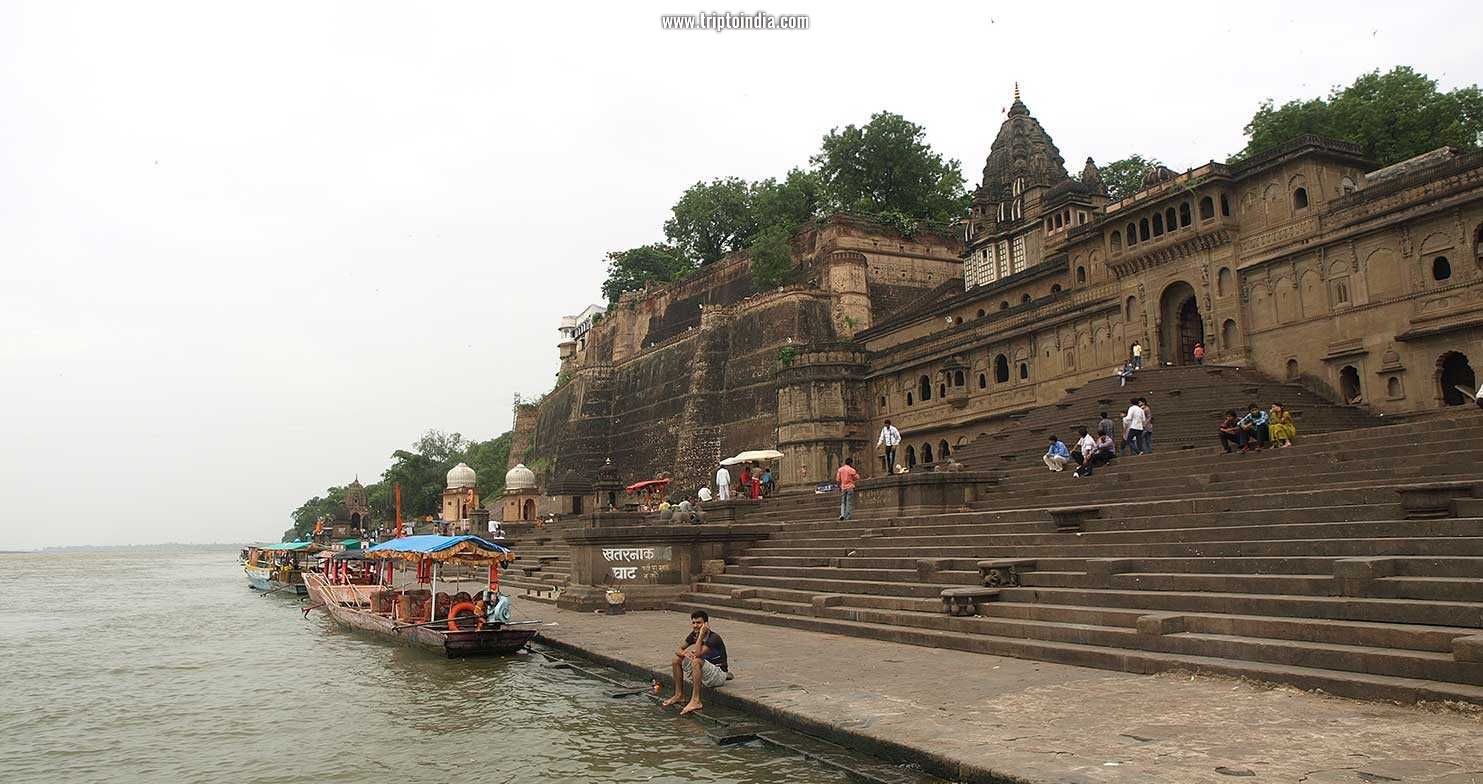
[(700, 660)]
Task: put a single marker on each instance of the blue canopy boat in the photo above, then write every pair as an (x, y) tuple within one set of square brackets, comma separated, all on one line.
[(401, 608), (277, 567)]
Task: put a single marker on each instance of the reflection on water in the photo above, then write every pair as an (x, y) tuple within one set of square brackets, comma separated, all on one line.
[(152, 666)]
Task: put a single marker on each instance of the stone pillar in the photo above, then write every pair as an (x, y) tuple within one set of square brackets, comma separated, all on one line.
[(821, 413)]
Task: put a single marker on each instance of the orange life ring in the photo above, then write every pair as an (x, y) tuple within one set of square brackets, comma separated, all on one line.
[(453, 616)]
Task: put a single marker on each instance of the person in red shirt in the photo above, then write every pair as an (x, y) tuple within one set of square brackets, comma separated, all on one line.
[(1199, 353), (847, 477)]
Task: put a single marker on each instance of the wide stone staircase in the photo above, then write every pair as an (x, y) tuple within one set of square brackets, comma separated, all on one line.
[(1297, 566), (542, 564)]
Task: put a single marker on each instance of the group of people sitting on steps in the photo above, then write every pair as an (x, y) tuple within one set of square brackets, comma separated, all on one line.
[(1092, 451), (1257, 430)]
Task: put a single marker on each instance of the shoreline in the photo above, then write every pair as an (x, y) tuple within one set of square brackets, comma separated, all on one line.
[(987, 719)]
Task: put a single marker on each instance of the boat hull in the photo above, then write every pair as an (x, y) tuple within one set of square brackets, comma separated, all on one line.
[(259, 579), (337, 601)]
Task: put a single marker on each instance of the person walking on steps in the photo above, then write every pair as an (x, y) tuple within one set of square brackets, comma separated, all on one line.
[(1147, 444), (723, 484), (890, 438), (1199, 353), (847, 477), (1133, 421)]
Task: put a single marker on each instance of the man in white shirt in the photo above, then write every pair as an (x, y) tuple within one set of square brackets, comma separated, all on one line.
[(1086, 448), (890, 437), (1133, 422), (723, 484)]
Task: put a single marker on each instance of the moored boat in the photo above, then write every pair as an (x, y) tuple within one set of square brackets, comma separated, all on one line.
[(278, 567), (399, 607)]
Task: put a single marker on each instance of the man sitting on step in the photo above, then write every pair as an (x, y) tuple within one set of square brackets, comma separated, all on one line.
[(1057, 456), (1085, 452), (701, 659), (1254, 432)]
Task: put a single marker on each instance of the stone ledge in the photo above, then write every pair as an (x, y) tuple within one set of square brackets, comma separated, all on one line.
[(1161, 623), (1430, 500), (1468, 649), (1069, 519), (1000, 572), (965, 601)]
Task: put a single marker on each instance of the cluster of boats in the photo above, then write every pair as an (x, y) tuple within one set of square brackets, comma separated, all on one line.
[(437, 592)]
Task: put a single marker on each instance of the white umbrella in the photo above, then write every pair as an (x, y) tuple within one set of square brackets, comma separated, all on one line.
[(753, 456)]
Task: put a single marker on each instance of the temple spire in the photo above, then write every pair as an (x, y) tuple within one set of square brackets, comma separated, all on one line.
[(1016, 92)]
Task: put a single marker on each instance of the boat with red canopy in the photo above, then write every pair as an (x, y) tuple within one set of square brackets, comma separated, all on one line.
[(410, 599)]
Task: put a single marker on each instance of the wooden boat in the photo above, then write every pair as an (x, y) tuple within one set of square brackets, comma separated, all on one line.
[(277, 567), (410, 614)]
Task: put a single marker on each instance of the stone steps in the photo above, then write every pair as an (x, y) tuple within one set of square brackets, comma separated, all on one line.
[(1342, 683), (1276, 547)]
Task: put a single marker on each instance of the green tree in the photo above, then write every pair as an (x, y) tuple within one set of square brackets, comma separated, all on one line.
[(1123, 178), (1393, 116), (771, 256), (629, 270), (488, 459), (790, 203), (885, 166), (304, 517), (712, 219)]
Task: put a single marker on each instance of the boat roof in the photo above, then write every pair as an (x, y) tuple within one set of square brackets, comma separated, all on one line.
[(285, 546), (441, 548)]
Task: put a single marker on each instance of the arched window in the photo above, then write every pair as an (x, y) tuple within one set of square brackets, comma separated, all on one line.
[(1300, 199), (1048, 225), (924, 388), (942, 453), (957, 320), (1292, 370), (1169, 223), (1024, 298), (1158, 224), (1393, 388), (1441, 268), (1228, 336), (1128, 308), (1081, 276), (1004, 305), (911, 456), (957, 378), (1117, 241), (1001, 369), (1225, 206), (1143, 230), (1055, 288), (1223, 282), (1024, 370), (1341, 292), (1207, 208), (1183, 214), (1478, 245), (926, 453), (1132, 234), (942, 390), (1060, 221), (1019, 208), (883, 402), (981, 313), (983, 381)]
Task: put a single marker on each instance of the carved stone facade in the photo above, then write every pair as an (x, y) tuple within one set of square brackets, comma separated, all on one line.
[(1305, 262)]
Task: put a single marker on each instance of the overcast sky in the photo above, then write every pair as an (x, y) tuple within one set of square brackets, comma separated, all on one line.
[(249, 249)]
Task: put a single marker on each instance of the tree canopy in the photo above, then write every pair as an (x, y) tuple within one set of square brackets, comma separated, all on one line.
[(629, 270), (422, 472), (712, 219), (887, 166), (1124, 177), (1394, 116)]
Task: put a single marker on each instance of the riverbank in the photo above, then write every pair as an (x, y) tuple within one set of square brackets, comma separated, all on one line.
[(979, 718)]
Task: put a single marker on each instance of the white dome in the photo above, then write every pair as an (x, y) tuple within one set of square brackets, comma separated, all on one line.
[(520, 478), (461, 476)]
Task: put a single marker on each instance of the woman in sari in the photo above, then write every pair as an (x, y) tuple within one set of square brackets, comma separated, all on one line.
[(1280, 425)]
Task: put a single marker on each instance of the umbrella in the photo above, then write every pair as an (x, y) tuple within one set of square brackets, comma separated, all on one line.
[(756, 455)]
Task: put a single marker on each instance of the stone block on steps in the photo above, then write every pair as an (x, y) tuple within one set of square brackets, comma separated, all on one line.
[(965, 601), (743, 593), (824, 601), (999, 572), (713, 567), (1427, 500), (1468, 649), (1100, 570), (1160, 623), (1069, 519), (1354, 575), (926, 567)]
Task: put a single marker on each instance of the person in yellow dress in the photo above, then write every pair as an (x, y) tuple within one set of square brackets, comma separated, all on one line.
[(1280, 425)]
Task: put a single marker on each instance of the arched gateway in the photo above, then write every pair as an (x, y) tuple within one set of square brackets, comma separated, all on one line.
[(1180, 324)]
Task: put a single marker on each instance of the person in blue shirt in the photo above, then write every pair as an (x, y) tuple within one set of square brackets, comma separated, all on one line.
[(1253, 428), (701, 659), (1057, 456)]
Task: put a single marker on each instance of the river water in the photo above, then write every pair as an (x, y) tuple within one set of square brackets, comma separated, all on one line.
[(161, 666)]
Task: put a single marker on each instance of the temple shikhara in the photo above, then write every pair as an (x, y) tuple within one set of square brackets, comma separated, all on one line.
[(1306, 263)]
